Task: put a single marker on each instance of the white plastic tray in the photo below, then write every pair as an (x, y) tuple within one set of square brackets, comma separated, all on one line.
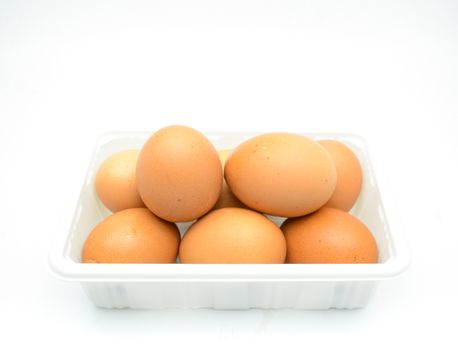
[(239, 286)]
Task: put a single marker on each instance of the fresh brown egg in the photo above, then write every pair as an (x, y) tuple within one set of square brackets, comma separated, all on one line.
[(329, 236), (115, 182), (233, 236), (179, 174), (226, 198), (132, 236), (349, 175), (281, 174)]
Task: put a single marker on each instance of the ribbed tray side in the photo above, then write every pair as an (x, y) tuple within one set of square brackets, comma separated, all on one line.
[(231, 295)]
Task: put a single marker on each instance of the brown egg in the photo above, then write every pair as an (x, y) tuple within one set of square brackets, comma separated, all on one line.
[(329, 236), (179, 174), (233, 236), (349, 175), (132, 236), (281, 174), (115, 182), (226, 198)]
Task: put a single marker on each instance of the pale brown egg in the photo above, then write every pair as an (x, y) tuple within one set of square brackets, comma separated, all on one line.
[(281, 174), (115, 182), (233, 236), (179, 174), (349, 175), (132, 236), (329, 236), (226, 198)]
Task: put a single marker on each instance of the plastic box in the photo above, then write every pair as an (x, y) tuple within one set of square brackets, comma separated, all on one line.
[(238, 286)]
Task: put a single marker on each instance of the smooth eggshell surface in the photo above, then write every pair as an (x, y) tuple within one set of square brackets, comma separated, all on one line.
[(349, 175), (132, 236), (179, 174), (233, 236), (329, 236), (281, 174), (115, 182), (226, 198)]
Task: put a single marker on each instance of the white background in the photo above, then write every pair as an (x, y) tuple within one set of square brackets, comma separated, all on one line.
[(70, 70)]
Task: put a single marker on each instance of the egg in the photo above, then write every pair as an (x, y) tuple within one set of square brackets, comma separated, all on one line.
[(132, 236), (233, 236), (226, 198), (329, 236), (349, 175), (179, 174), (115, 182), (281, 174)]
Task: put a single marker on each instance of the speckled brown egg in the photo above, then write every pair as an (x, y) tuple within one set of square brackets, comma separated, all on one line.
[(349, 175), (132, 236), (233, 236), (226, 198), (281, 174), (179, 174), (115, 182), (329, 236)]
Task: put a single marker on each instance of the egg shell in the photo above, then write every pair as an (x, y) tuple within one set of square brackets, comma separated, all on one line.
[(115, 182), (329, 236), (226, 198), (132, 236), (349, 175), (233, 236), (179, 174), (281, 174)]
